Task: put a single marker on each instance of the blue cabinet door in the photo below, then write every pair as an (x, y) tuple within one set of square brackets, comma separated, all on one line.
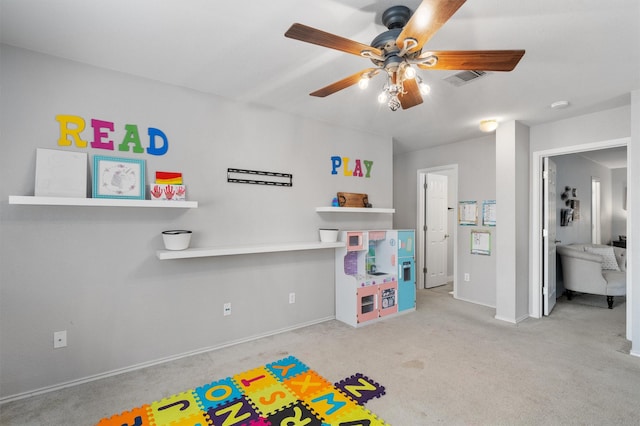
[(406, 283)]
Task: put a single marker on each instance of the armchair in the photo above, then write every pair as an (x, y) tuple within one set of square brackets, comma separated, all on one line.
[(594, 269)]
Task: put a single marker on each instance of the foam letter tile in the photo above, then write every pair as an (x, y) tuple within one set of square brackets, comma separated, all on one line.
[(307, 384), (360, 416), (235, 413), (217, 393), (272, 399), (297, 414), (197, 419), (135, 417), (287, 367), (174, 408), (330, 405), (254, 380), (360, 388)]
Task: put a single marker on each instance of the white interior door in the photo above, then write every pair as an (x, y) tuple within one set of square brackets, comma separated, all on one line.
[(436, 230), (549, 235)]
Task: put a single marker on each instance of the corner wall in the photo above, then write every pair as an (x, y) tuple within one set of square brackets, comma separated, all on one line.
[(93, 271), (476, 160)]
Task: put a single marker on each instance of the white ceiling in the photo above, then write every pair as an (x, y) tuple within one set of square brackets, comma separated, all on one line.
[(612, 158), (583, 51)]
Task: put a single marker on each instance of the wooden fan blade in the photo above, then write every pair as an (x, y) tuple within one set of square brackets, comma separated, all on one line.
[(412, 96), (344, 83), (426, 20), (478, 60), (321, 38)]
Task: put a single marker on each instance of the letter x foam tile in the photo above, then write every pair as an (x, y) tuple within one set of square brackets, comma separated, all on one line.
[(284, 392)]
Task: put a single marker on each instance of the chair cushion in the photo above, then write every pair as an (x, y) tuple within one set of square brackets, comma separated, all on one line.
[(609, 261)]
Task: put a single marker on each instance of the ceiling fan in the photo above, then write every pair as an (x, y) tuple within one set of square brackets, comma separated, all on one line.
[(398, 51)]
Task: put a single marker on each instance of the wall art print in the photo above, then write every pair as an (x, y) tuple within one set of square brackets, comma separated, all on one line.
[(118, 178)]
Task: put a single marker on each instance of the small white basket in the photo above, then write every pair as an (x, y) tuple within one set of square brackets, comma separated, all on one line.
[(176, 239), (328, 235)]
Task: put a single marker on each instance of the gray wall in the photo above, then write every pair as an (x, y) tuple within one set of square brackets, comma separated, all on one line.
[(93, 271), (476, 162), (575, 171)]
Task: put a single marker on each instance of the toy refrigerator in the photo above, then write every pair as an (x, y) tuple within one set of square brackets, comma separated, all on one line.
[(406, 270)]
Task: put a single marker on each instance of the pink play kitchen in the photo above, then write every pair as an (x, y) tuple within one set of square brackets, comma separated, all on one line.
[(375, 275)]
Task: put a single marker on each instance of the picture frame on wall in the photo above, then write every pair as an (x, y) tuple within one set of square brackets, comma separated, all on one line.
[(122, 178)]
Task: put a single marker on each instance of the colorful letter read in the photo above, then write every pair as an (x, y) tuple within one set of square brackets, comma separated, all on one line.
[(71, 127), (285, 392)]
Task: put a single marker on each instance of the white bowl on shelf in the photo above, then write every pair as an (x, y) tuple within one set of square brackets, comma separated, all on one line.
[(328, 235), (177, 239)]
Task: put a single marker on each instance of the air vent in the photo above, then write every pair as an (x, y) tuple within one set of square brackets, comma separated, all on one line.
[(464, 77)]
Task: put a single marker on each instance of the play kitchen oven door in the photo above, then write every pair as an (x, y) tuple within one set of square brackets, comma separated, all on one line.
[(388, 298), (367, 303)]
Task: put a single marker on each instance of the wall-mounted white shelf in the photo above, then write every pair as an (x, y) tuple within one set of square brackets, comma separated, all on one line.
[(249, 249), (100, 202), (353, 210)]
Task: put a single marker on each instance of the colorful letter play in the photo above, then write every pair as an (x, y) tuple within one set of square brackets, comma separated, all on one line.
[(282, 393)]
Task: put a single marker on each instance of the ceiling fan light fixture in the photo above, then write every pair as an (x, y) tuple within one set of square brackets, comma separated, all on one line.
[(409, 72), (382, 97), (488, 125), (363, 83), (394, 103), (425, 89)]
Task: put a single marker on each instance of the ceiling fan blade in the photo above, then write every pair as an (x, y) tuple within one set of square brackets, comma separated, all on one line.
[(478, 60), (411, 96), (321, 38), (344, 83), (426, 20)]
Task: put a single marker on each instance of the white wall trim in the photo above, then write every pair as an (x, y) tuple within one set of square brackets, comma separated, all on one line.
[(535, 278), (140, 366)]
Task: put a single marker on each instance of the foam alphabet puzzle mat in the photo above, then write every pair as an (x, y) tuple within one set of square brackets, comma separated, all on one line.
[(282, 393)]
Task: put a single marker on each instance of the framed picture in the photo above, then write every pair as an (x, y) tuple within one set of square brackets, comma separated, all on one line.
[(468, 213), (481, 242), (489, 213), (61, 173), (118, 178)]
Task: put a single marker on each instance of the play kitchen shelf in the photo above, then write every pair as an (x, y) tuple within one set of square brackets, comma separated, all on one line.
[(98, 202), (353, 210), (248, 249)]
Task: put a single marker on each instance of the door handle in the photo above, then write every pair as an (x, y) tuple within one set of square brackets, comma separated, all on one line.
[(557, 241)]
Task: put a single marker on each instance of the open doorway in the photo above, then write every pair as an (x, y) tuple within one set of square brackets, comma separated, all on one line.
[(568, 235), (436, 230)]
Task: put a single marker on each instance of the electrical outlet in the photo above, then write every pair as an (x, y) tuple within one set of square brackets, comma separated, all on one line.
[(292, 298), (227, 309), (59, 339), (467, 277)]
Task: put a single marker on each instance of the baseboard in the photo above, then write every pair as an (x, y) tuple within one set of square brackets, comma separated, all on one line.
[(474, 302), (510, 320), (135, 367)]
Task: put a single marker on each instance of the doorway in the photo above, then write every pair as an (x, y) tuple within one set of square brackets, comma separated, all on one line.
[(537, 242), (436, 230)]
